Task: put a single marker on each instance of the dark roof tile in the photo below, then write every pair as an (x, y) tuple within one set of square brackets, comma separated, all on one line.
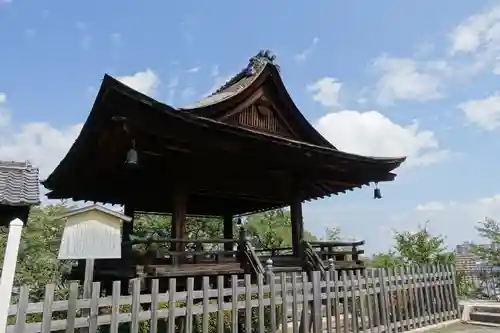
[(19, 184)]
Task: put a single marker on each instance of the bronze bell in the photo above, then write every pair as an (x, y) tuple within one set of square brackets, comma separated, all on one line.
[(376, 193), (132, 158)]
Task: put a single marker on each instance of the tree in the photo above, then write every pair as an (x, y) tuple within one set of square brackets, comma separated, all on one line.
[(489, 229), (37, 263), (383, 260), (332, 234), (419, 247), (272, 229)]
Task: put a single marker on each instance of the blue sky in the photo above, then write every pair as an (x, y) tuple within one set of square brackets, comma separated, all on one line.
[(383, 78)]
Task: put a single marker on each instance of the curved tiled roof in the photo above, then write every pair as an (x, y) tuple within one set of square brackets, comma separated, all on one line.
[(19, 184)]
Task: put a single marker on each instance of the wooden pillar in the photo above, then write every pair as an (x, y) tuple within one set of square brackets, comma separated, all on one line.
[(127, 230), (228, 231), (178, 227), (297, 225)]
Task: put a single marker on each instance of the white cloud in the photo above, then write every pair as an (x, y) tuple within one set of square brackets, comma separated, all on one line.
[(305, 54), (146, 82), (3, 98), (371, 133), (484, 113), (37, 142), (457, 220), (477, 39), (479, 30), (432, 206), (474, 46), (193, 70), (326, 91), (407, 79)]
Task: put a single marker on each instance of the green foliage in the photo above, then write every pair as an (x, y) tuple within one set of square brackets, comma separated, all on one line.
[(272, 229), (489, 229), (465, 285), (37, 263), (384, 260), (421, 247), (159, 227), (418, 248)]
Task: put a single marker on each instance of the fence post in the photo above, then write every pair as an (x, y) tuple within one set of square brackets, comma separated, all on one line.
[(331, 265), (9, 269), (269, 270)]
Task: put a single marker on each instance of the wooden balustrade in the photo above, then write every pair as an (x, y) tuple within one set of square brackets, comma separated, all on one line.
[(337, 251), (195, 252), (157, 257)]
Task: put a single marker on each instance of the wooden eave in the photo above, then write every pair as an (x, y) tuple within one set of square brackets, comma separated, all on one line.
[(322, 170)]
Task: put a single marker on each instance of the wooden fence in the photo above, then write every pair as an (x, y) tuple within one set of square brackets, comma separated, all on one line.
[(375, 300)]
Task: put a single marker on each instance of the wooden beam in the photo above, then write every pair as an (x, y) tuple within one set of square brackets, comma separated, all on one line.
[(127, 230)]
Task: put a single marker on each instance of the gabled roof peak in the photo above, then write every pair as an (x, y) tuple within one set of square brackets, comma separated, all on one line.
[(98, 208), (255, 65)]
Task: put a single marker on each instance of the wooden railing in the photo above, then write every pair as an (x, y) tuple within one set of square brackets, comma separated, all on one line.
[(252, 260), (312, 259), (194, 252), (280, 251), (336, 250)]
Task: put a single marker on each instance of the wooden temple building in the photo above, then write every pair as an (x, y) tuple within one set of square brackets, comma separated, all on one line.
[(245, 148)]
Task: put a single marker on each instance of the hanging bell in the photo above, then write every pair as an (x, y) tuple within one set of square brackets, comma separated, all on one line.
[(376, 193), (132, 158)]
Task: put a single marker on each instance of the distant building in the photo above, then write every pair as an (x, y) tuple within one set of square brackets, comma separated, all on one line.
[(466, 260)]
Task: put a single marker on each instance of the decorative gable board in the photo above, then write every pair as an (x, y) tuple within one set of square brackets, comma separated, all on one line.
[(260, 117), (91, 234)]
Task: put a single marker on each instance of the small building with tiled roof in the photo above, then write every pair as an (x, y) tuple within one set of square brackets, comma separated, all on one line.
[(19, 190)]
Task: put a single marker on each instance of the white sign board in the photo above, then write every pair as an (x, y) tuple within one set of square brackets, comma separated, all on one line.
[(91, 235)]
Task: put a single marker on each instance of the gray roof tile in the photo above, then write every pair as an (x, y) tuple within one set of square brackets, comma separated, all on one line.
[(19, 184)]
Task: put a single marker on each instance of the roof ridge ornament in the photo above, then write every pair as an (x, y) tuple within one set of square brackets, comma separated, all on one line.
[(259, 61), (255, 65)]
